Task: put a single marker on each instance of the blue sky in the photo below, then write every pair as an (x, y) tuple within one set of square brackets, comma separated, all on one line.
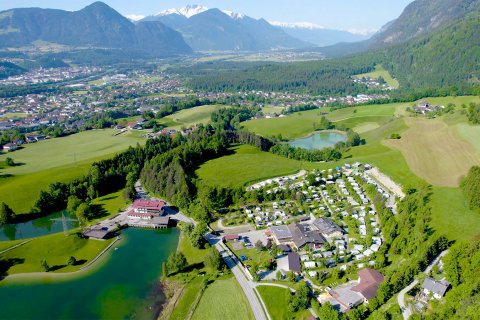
[(338, 14)]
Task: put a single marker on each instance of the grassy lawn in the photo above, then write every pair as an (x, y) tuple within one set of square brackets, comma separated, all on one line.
[(8, 244), (56, 249), (276, 300), (112, 203), (189, 117), (426, 140), (246, 165), (381, 72), (188, 297), (61, 159), (252, 254), (223, 299), (451, 215)]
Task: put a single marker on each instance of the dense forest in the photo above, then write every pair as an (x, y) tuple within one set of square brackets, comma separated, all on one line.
[(320, 77), (471, 188)]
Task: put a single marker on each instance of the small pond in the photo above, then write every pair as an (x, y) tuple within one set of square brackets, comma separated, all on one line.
[(319, 140), (38, 227)]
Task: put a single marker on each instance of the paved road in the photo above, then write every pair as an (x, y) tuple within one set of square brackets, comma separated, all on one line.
[(247, 285), (406, 312)]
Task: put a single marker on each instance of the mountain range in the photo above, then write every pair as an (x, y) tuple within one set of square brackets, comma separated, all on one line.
[(95, 26), (420, 18), (219, 30), (318, 35)]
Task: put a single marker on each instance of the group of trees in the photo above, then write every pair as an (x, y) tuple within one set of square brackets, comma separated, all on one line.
[(474, 113), (327, 77), (287, 151), (6, 214), (471, 187)]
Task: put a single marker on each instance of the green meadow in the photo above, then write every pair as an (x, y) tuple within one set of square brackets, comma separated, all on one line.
[(189, 117), (381, 72), (60, 159)]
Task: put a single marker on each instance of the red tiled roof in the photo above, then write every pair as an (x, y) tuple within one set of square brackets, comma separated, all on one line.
[(231, 237), (146, 204), (370, 280)]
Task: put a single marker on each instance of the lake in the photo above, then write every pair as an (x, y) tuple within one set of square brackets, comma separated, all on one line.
[(123, 285), (319, 140), (37, 227)]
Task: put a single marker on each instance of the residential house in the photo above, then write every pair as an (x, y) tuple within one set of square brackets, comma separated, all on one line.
[(436, 288), (303, 236), (368, 283), (10, 147)]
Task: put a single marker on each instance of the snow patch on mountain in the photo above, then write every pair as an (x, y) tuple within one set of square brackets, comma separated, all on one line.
[(297, 25), (188, 11)]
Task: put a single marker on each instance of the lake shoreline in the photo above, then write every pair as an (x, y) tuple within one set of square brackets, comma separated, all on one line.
[(64, 275)]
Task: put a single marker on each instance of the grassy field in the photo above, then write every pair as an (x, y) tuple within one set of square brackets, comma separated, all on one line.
[(451, 215), (276, 300), (434, 151), (248, 164), (188, 297), (189, 117), (56, 249), (301, 124), (381, 72), (112, 203), (228, 299), (61, 159)]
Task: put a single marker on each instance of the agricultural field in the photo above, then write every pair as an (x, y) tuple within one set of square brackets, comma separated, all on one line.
[(248, 164), (56, 249), (434, 152), (380, 72), (189, 117), (60, 159), (228, 299)]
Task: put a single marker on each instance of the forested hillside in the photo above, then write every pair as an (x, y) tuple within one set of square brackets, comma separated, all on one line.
[(450, 57)]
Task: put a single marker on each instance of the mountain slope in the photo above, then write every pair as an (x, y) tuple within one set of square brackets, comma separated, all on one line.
[(97, 25), (216, 30), (446, 58), (421, 17)]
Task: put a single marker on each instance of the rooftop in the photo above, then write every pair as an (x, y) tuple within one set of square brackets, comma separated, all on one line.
[(281, 232), (437, 287), (326, 226), (147, 204), (369, 282)]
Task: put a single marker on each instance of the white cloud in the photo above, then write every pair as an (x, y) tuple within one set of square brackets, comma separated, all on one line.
[(135, 17)]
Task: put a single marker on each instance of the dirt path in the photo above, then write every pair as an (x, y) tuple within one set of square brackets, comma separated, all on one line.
[(388, 183)]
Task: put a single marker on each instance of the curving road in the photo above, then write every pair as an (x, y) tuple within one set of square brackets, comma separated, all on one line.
[(406, 311)]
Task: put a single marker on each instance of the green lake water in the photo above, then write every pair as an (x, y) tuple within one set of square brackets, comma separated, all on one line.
[(319, 140), (37, 228), (124, 284)]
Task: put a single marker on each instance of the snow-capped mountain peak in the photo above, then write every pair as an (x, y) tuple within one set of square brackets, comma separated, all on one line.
[(296, 25), (234, 15), (192, 10), (188, 11)]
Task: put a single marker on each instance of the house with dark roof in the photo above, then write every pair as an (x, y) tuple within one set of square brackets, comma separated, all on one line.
[(436, 288), (294, 263), (368, 283), (303, 235), (328, 228)]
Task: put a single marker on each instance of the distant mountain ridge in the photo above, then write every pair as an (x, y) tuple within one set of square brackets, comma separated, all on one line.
[(319, 36), (220, 30), (420, 17), (95, 26)]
